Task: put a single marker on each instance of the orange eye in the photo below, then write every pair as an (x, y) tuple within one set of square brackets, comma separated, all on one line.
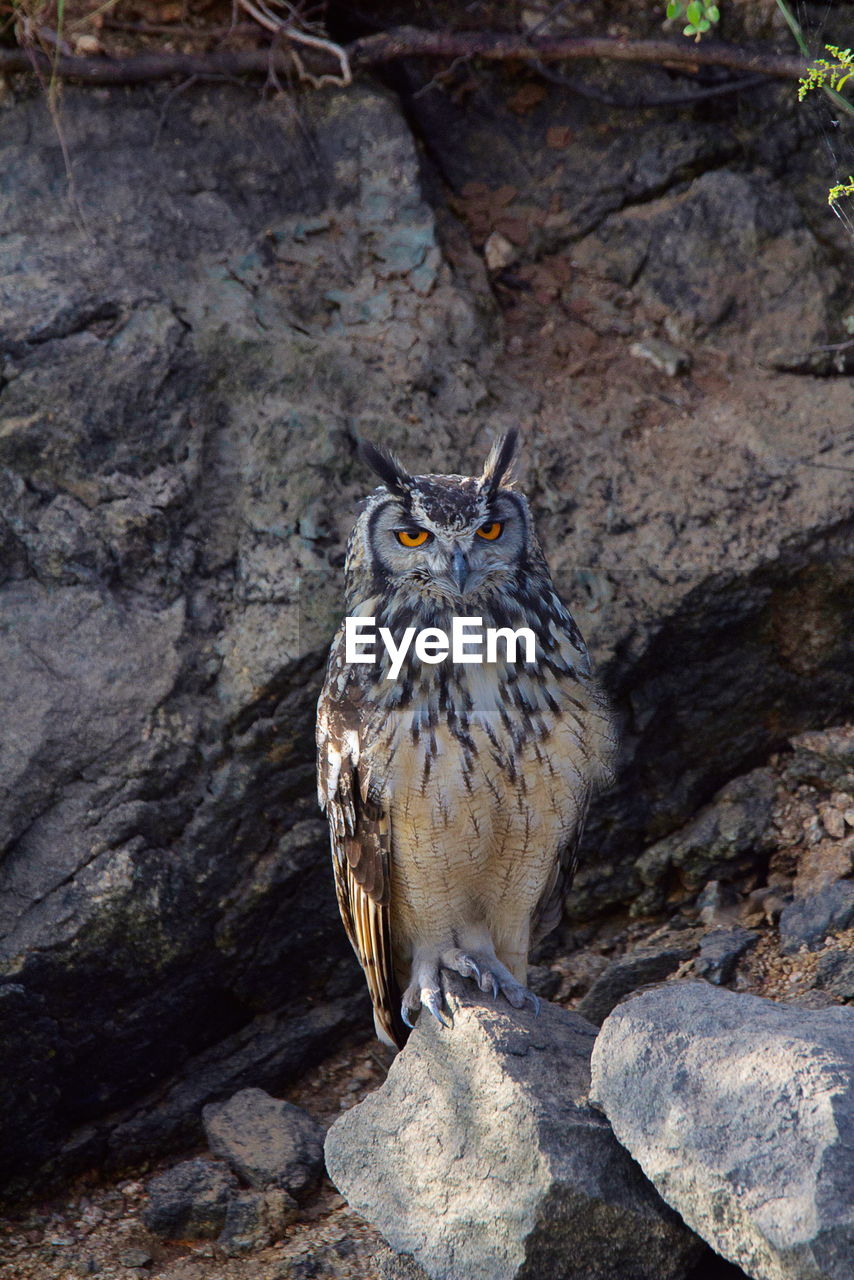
[(412, 537), (490, 531)]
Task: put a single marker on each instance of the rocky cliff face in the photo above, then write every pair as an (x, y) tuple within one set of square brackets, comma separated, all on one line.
[(192, 337)]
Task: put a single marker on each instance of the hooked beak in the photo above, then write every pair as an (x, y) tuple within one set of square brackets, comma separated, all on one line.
[(459, 569)]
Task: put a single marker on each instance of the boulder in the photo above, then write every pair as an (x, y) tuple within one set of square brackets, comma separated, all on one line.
[(741, 1111), (190, 1200), (166, 584), (809, 920), (481, 1157), (268, 1142)]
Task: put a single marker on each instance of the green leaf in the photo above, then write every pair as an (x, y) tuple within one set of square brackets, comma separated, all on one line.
[(674, 9), (713, 13), (694, 12), (703, 25)]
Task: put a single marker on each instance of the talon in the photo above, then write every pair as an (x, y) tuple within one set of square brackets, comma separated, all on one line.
[(495, 986), (432, 1000), (404, 1013), (535, 1001)]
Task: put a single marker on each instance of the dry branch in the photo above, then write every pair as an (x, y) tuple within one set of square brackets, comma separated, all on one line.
[(404, 42)]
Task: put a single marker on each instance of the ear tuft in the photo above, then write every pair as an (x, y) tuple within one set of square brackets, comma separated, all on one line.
[(386, 466), (502, 455)]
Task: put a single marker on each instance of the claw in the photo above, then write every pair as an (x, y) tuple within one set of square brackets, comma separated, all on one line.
[(495, 987), (405, 1015), (535, 1002), (432, 1000)]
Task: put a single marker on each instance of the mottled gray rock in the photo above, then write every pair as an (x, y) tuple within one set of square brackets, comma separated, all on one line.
[(267, 1141), (835, 974), (190, 1200), (169, 572), (741, 1111), (740, 279), (398, 1266), (720, 952), (481, 1157), (255, 1219), (808, 921), (137, 1257), (636, 969), (720, 843), (822, 759)]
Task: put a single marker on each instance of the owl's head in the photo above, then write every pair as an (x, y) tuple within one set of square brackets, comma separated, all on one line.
[(449, 540)]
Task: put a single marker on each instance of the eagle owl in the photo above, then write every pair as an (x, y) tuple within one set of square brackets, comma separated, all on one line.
[(455, 792)]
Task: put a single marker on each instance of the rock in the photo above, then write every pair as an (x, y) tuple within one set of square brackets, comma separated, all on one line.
[(833, 820), (498, 252), (720, 952), (255, 1219), (720, 843), (835, 974), (269, 1049), (662, 355), (625, 974), (543, 981), (266, 1141), (165, 873), (740, 1110), (488, 1122), (736, 283), (806, 922), (822, 758), (821, 863), (714, 905), (135, 1257), (190, 1200)]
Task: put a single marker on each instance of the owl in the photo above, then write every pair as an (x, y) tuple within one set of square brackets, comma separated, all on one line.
[(455, 791)]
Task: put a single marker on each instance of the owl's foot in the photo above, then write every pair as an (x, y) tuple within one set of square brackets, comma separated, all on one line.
[(424, 991), (490, 975)]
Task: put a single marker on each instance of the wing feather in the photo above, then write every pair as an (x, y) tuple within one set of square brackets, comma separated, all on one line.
[(360, 833)]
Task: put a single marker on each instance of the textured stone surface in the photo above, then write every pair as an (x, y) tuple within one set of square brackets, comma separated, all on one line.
[(768, 253), (266, 1141), (741, 1111), (721, 841), (165, 583), (480, 1157), (190, 1200), (627, 973), (809, 920), (720, 952), (254, 1219), (835, 974)]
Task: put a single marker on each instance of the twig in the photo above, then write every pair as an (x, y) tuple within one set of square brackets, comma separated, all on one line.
[(297, 35), (404, 42)]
